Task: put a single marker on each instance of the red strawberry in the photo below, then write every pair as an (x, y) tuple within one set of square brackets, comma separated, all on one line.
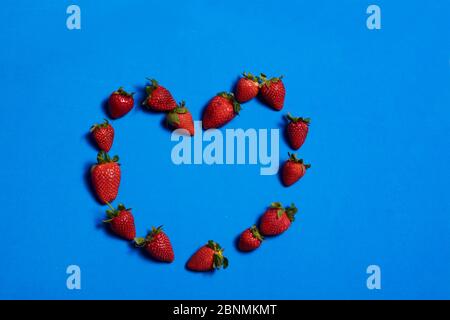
[(250, 239), (121, 221), (181, 118), (220, 110), (293, 169), (157, 244), (277, 219), (247, 88), (120, 103), (297, 130), (106, 177), (103, 135), (158, 97), (208, 258), (273, 92)]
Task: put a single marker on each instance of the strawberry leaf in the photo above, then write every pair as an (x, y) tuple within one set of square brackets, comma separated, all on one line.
[(122, 92), (291, 211), (96, 126), (140, 242), (211, 244), (153, 233), (293, 158), (256, 234), (217, 261), (112, 213), (149, 89), (236, 106), (103, 157), (250, 76), (276, 205), (265, 82), (280, 213), (173, 119), (225, 263), (298, 119)]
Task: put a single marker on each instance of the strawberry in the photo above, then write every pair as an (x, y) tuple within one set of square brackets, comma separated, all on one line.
[(297, 130), (293, 169), (277, 219), (250, 239), (181, 118), (158, 98), (157, 244), (273, 91), (103, 135), (247, 88), (105, 176), (220, 110), (208, 258), (120, 103), (121, 221)]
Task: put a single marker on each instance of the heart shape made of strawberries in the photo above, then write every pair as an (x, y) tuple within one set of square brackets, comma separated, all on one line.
[(222, 109)]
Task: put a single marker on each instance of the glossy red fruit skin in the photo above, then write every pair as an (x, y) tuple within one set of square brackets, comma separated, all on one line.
[(119, 105), (292, 172), (123, 225), (296, 133), (272, 225), (273, 94), (106, 180), (104, 137), (160, 248), (185, 122), (202, 260), (248, 242), (246, 89), (219, 112), (161, 100)]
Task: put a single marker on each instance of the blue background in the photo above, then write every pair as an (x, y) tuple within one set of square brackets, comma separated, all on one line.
[(377, 192)]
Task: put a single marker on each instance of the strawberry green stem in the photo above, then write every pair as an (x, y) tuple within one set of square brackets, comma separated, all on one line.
[(110, 206), (250, 76), (291, 211), (140, 242), (230, 96), (264, 81), (298, 119), (256, 234), (122, 92), (103, 157)]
